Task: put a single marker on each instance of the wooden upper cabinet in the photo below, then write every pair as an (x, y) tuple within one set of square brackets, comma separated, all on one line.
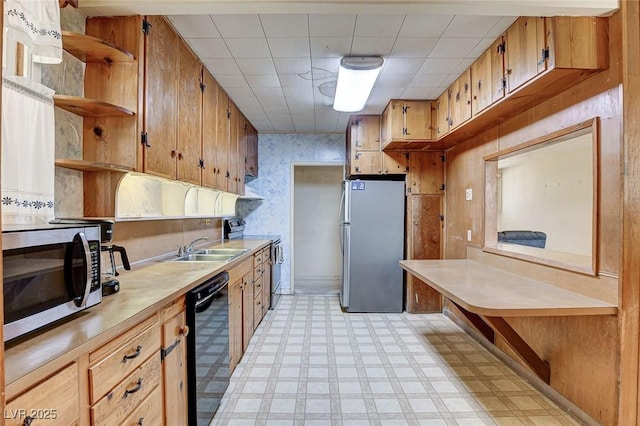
[(161, 92), (189, 143), (251, 165), (234, 135), (442, 113), (426, 172), (460, 102), (209, 129), (395, 163), (222, 141), (487, 77), (365, 132), (243, 135), (406, 121)]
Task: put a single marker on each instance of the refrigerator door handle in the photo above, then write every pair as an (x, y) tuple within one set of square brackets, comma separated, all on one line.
[(346, 266)]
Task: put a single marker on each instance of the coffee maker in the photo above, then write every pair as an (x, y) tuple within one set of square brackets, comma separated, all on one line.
[(108, 271)]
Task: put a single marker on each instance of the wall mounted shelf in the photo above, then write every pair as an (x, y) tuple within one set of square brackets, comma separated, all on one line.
[(90, 166), (92, 49), (90, 107)]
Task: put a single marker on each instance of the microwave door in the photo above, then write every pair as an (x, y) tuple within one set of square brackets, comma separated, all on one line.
[(77, 269)]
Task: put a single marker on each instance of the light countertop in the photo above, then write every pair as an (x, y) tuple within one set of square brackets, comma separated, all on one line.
[(143, 291)]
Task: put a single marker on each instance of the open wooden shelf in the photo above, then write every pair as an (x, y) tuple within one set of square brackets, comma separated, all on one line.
[(90, 107), (92, 49), (90, 166)]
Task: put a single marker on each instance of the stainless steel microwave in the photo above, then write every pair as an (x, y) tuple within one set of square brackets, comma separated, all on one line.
[(49, 273)]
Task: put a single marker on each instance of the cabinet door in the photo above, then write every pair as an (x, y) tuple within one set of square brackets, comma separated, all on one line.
[(426, 172), (189, 144), (241, 163), (251, 165), (424, 234), (393, 122), (266, 280), (232, 165), (524, 43), (442, 113), (460, 102), (366, 133), (395, 162), (235, 324), (161, 92), (417, 120), (209, 128), (247, 310), (487, 77), (174, 369), (367, 163), (222, 140)]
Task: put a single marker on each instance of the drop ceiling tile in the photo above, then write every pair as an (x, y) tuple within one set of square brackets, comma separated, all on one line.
[(330, 46), (439, 65), (450, 79), (289, 47), (294, 80), (470, 26), (331, 25), (328, 66), (248, 47), (228, 80), (305, 126), (424, 25), (292, 65), (301, 118), (402, 65), (369, 46), (393, 80), (280, 118), (409, 47), (436, 92), (481, 47), (273, 103), (195, 26), (416, 93), (501, 26), (206, 48), (262, 80), (256, 66), (240, 26), (285, 25), (298, 95), (269, 92), (453, 47), (378, 25), (221, 66), (240, 93), (277, 110), (321, 100), (427, 80), (463, 66)]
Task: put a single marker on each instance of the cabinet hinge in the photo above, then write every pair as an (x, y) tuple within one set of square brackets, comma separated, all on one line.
[(201, 163), (146, 26), (441, 216), (501, 47), (144, 139), (404, 131), (406, 156), (228, 113), (544, 55), (443, 158), (202, 86), (442, 187), (404, 109), (164, 352), (504, 83)]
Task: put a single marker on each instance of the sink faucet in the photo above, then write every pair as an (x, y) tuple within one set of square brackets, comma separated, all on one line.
[(184, 250)]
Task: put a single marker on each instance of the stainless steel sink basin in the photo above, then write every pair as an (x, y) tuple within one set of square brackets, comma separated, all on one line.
[(223, 251), (212, 255)]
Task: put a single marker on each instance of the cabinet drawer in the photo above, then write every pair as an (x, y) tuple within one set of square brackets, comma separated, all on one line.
[(257, 259), (128, 394), (149, 412), (52, 402), (258, 312), (121, 356), (257, 286)]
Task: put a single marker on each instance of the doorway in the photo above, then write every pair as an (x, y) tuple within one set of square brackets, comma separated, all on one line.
[(317, 258)]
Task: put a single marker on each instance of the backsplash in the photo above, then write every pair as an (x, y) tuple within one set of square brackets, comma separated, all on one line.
[(276, 153)]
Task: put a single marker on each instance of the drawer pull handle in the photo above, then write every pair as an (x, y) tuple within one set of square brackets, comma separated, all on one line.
[(135, 355), (27, 421), (134, 390)]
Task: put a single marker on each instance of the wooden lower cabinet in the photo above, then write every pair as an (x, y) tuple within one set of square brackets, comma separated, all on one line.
[(174, 363), (53, 401), (149, 412), (240, 304)]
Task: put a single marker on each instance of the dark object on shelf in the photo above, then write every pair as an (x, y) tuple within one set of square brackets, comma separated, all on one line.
[(523, 238)]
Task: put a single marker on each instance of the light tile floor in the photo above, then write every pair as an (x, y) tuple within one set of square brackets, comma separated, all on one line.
[(311, 364)]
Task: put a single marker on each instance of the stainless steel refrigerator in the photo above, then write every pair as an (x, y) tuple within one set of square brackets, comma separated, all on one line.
[(372, 227)]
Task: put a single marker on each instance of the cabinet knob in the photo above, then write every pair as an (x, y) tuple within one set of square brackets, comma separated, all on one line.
[(184, 331), (180, 156), (173, 153)]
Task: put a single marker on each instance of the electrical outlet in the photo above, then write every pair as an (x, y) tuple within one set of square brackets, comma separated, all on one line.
[(468, 234), (468, 194), (207, 221)]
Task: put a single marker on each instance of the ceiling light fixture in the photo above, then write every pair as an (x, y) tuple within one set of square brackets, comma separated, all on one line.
[(356, 77)]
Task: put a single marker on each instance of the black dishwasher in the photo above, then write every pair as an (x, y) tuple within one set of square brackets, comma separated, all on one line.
[(207, 348)]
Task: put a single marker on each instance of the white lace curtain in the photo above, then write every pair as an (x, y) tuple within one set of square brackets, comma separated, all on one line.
[(36, 24)]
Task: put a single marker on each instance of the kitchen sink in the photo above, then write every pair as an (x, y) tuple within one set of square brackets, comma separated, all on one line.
[(212, 255), (223, 251)]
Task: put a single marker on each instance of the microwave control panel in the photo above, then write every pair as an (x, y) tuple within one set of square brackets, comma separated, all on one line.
[(94, 248)]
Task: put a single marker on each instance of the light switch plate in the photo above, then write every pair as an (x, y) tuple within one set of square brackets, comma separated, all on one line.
[(468, 194), (468, 234)]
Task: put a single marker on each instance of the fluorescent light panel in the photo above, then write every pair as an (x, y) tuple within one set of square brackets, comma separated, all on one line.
[(356, 78)]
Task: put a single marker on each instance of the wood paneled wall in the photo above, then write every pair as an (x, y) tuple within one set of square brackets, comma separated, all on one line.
[(584, 353)]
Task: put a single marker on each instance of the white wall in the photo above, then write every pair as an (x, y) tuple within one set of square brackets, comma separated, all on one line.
[(317, 256), (553, 194), (276, 152)]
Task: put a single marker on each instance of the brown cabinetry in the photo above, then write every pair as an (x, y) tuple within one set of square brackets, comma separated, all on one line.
[(426, 173), (211, 154), (442, 113), (526, 44), (240, 310), (460, 101), (174, 363), (487, 77), (404, 122), (53, 401), (251, 163)]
